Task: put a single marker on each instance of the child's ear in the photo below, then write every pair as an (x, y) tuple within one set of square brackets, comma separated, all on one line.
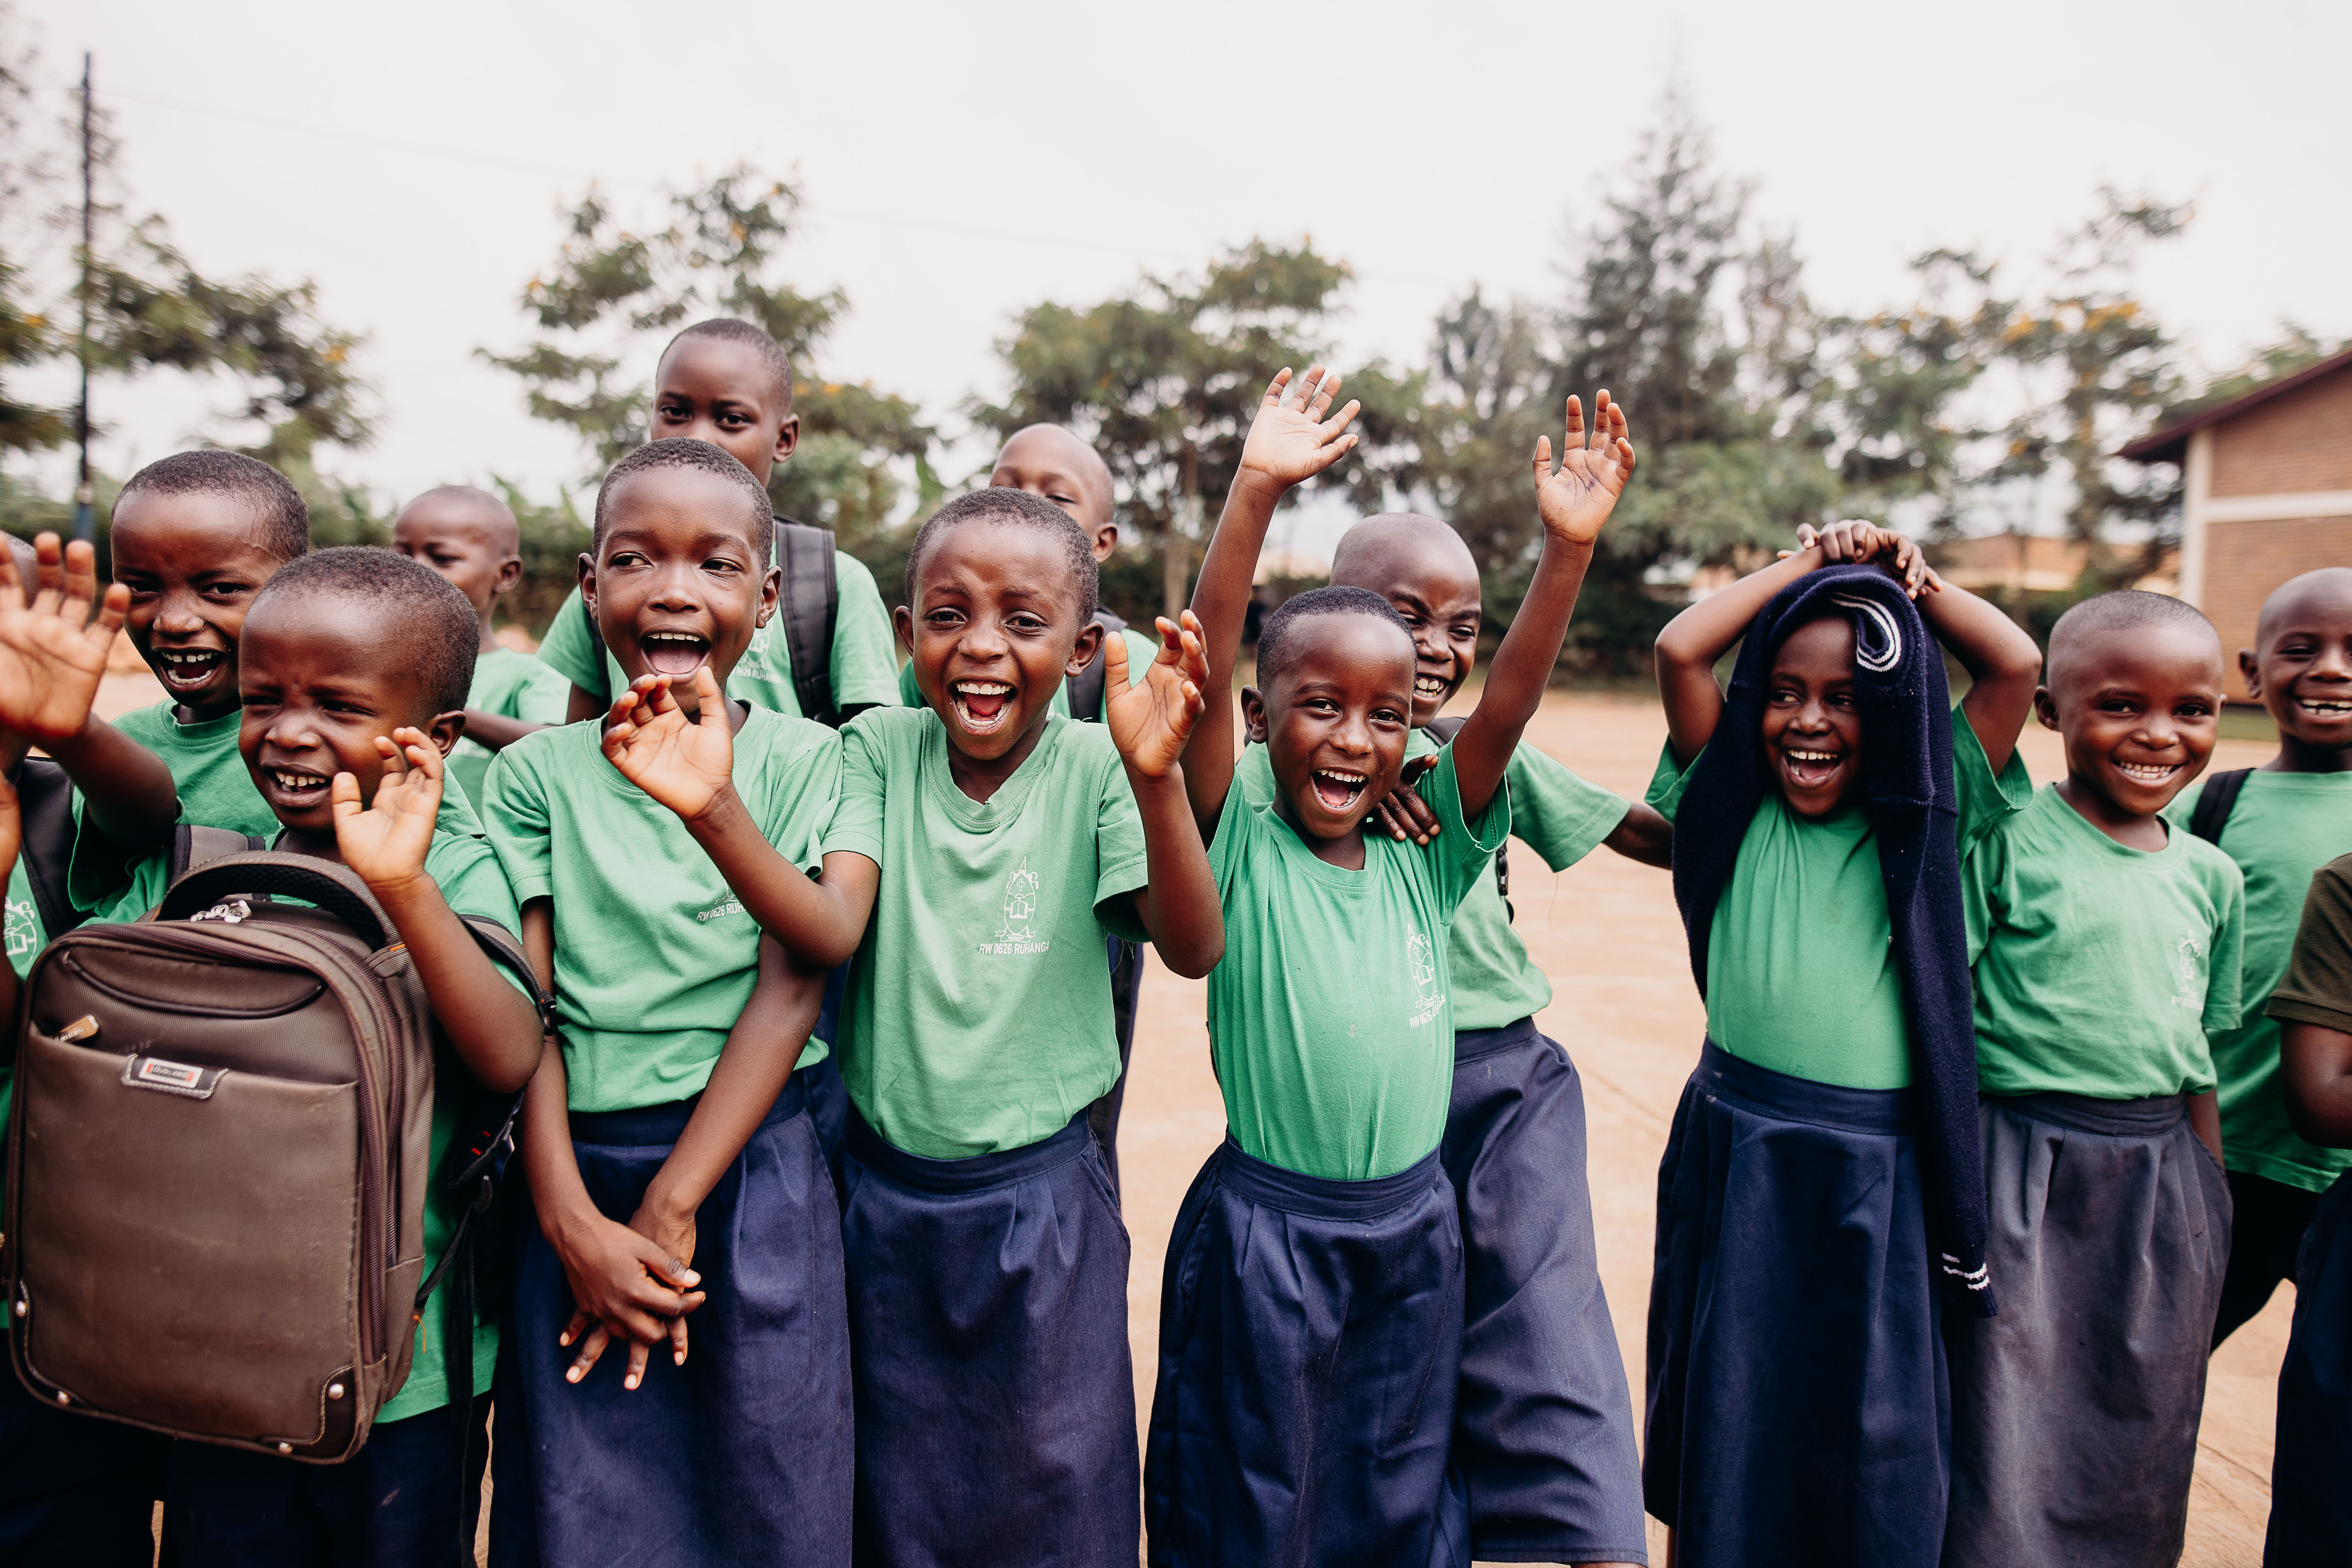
[(902, 621), (2045, 707), (1105, 541), (1083, 652), (587, 570), (788, 437), (509, 574), (444, 729), (772, 594), (2249, 670), (1254, 722)]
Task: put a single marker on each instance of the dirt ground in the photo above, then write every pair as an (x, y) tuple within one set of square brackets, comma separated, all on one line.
[(1607, 934)]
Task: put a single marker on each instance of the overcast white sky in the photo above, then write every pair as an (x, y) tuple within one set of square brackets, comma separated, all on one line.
[(964, 160)]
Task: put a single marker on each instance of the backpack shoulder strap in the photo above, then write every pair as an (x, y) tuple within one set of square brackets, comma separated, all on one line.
[(810, 607), (45, 799), (195, 848), (2215, 802), (1447, 728), (1088, 686)]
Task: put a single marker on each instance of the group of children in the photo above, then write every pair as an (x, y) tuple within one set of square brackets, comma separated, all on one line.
[(845, 972)]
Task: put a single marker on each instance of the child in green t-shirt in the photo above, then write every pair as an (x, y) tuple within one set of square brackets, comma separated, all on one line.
[(352, 667), (1818, 1198), (727, 383), (664, 861), (1311, 1320), (470, 537), (2281, 823), (193, 537), (2108, 948)]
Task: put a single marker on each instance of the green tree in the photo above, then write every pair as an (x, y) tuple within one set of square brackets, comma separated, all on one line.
[(1164, 382), (613, 293)]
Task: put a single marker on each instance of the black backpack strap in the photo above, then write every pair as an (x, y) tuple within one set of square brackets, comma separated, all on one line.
[(1445, 730), (45, 803), (809, 607), (195, 848), (2215, 802), (1087, 687)]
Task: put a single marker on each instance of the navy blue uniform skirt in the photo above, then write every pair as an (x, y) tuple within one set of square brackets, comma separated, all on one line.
[(995, 1392), (743, 1455), (1310, 1337), (1543, 1420), (2311, 1475), (1798, 1409), (75, 1488)]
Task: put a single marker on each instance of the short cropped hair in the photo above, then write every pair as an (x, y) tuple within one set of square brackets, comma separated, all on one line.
[(285, 521), (728, 328), (406, 602), (2125, 610), (686, 452), (1019, 509), (1275, 638)]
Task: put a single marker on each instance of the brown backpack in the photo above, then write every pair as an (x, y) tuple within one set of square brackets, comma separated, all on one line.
[(217, 1160)]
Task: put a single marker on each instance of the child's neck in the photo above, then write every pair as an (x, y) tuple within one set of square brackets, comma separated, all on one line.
[(981, 777), (486, 643), (2299, 756), (315, 847), (1346, 851), (2128, 829)]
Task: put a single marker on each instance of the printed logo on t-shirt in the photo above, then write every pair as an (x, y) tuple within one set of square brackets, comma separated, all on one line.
[(2187, 960), (754, 662), (1016, 934), (1422, 959), (22, 932), (720, 911)]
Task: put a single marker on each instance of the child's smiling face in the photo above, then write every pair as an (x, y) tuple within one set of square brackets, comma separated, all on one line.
[(1422, 568), (1051, 462), (193, 562), (1812, 728), (2139, 708), (2302, 670), (463, 540), (320, 681), (1333, 721), (995, 629), (723, 391), (674, 584)]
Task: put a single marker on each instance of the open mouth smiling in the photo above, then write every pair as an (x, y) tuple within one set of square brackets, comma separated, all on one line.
[(1810, 767), (1339, 789), (2327, 710), (296, 787), (1425, 687), (2148, 775), (982, 705), (674, 654), (185, 670)]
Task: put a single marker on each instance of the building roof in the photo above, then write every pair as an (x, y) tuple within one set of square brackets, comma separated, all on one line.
[(2040, 562), (2167, 442)]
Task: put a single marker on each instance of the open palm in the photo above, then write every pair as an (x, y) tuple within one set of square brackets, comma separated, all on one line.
[(53, 651), (683, 764), (1151, 720), (1576, 500), (385, 840), (1290, 439)]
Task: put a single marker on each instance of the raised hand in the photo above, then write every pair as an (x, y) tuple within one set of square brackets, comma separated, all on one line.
[(385, 841), (685, 767), (1855, 540), (53, 651), (1290, 440), (1151, 720), (1577, 500)]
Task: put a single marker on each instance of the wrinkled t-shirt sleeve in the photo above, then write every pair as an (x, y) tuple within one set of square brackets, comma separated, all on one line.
[(865, 649), (1253, 776), (570, 652), (1462, 851), (862, 792), (472, 883), (2318, 985), (142, 892), (544, 696), (1121, 862), (1561, 816), (514, 813), (1668, 781), (804, 796), (1984, 800), (2225, 967)]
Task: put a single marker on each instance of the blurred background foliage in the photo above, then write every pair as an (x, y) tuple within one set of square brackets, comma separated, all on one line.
[(1987, 402)]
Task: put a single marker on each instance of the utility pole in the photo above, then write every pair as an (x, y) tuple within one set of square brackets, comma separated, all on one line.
[(85, 513)]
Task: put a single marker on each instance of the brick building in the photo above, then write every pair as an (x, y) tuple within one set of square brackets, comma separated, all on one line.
[(2266, 493)]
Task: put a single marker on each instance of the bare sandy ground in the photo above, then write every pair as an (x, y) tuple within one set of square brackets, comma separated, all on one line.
[(1624, 1006)]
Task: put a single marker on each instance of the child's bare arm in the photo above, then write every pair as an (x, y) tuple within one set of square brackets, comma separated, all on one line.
[(689, 768), (496, 730), (490, 1025), (1289, 441), (621, 1281), (1644, 836), (2205, 1120), (52, 658), (760, 1054), (2315, 1068), (1694, 641), (2003, 664), (1149, 721), (1573, 503)]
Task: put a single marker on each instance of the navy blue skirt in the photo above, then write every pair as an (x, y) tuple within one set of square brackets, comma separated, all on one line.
[(1799, 1407), (743, 1455), (995, 1392), (1543, 1420), (73, 1488), (1310, 1336), (2311, 1475)]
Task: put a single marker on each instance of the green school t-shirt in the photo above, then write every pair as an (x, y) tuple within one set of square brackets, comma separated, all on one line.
[(1330, 1019), (655, 955), (216, 791), (2099, 968), (512, 685), (26, 936), (1801, 976), (864, 651), (460, 863), (2281, 830), (1140, 651), (979, 1015), (1558, 815)]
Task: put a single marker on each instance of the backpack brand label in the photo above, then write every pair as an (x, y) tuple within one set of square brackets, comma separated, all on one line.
[(171, 1078)]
